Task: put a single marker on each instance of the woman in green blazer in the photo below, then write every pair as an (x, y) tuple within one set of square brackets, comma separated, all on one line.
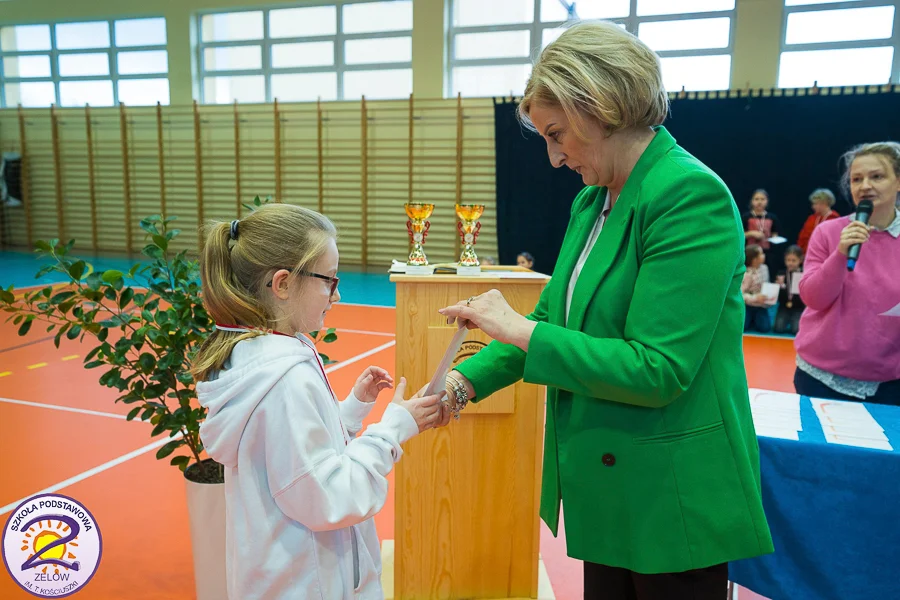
[(649, 437)]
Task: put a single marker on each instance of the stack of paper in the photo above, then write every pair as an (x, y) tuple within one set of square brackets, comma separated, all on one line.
[(850, 424), (776, 414)]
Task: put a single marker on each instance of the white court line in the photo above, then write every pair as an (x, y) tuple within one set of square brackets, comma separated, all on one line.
[(64, 408), (365, 305), (90, 472), (359, 357), (360, 331)]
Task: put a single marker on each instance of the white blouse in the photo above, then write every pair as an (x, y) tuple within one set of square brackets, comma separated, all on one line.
[(588, 246)]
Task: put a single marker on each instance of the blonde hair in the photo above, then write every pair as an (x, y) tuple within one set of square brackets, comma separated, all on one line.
[(887, 150), (822, 195), (235, 269), (600, 71)]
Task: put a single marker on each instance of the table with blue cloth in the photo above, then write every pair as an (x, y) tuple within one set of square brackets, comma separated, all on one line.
[(834, 515)]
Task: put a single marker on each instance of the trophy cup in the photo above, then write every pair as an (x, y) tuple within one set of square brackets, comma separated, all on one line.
[(418, 226), (468, 227)]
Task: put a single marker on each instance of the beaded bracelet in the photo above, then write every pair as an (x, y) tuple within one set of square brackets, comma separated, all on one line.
[(455, 387)]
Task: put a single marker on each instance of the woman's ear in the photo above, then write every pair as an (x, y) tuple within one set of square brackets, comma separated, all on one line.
[(281, 284)]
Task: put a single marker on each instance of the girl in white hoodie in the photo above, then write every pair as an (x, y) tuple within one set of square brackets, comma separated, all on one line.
[(301, 488)]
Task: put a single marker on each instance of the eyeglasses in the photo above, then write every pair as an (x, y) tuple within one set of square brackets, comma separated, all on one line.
[(332, 280)]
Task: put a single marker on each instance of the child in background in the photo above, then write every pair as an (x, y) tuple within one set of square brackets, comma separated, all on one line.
[(757, 316), (525, 260), (790, 306), (301, 488)]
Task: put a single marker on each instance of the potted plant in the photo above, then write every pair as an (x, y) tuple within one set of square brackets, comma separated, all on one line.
[(148, 322)]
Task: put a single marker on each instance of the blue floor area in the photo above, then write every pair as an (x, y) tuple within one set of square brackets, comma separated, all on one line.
[(18, 269)]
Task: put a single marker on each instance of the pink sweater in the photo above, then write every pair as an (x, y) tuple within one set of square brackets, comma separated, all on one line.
[(842, 330)]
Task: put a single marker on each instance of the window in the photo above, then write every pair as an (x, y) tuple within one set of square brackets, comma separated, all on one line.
[(493, 44), (340, 51), (836, 43), (100, 63)]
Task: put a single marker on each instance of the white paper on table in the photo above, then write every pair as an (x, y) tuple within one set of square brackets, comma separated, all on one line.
[(779, 400), (843, 411), (894, 312), (440, 374), (854, 432), (770, 291), (795, 282), (777, 239), (846, 440), (784, 434)]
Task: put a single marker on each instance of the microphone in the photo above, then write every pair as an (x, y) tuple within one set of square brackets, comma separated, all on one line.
[(863, 212)]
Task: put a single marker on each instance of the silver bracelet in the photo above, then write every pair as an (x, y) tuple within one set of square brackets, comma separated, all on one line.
[(460, 393)]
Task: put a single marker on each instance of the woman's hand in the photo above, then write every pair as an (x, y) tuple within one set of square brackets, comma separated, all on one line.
[(370, 384), (854, 233), (755, 234), (491, 313)]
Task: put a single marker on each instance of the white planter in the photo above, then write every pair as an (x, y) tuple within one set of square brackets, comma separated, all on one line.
[(206, 513)]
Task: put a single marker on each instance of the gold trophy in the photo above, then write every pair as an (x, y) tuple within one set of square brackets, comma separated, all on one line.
[(468, 227), (418, 226)]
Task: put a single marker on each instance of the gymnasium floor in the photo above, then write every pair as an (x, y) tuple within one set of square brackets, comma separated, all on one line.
[(60, 431)]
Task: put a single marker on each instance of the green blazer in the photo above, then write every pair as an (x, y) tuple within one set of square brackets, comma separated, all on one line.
[(649, 437)]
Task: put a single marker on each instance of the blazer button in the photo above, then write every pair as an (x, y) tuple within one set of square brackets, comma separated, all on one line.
[(608, 460)]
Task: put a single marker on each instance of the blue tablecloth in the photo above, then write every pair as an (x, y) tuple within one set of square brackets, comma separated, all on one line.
[(834, 512)]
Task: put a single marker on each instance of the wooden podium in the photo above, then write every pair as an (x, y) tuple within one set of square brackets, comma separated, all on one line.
[(467, 495)]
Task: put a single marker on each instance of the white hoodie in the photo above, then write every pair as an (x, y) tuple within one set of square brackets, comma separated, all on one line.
[(300, 492)]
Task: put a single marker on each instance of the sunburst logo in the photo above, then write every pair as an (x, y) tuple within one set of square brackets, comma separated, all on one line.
[(51, 546)]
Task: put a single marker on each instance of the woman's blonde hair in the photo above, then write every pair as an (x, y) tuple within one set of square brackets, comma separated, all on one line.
[(598, 70), (238, 260), (822, 195), (890, 151)]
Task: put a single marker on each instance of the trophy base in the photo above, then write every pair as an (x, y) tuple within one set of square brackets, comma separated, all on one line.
[(419, 270), (468, 271)]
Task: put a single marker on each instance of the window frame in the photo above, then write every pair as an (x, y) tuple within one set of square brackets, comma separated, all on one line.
[(339, 67), (112, 51), (536, 28), (893, 41)]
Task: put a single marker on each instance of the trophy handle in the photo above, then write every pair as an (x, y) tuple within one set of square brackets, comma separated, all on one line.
[(425, 231), (462, 232), (475, 232), (409, 229)]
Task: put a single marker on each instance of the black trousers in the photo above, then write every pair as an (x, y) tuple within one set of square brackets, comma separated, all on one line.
[(611, 583), (807, 385)]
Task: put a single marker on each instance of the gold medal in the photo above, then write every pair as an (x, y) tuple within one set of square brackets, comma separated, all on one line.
[(789, 304)]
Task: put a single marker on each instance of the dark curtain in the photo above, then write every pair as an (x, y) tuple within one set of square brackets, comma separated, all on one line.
[(786, 145)]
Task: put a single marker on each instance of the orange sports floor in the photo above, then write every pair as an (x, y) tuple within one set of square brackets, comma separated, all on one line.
[(61, 431)]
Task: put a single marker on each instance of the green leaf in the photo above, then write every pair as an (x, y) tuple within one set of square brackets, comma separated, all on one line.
[(169, 448), (179, 461), (125, 297), (152, 251), (133, 413), (172, 234), (76, 270), (74, 332), (43, 246), (331, 337), (7, 296), (94, 364), (161, 241), (147, 362), (18, 319), (23, 330), (111, 275), (104, 333), (61, 297), (94, 281)]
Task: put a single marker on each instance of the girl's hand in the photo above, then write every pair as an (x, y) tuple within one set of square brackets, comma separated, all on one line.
[(780, 280), (854, 233), (370, 384), (427, 411)]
